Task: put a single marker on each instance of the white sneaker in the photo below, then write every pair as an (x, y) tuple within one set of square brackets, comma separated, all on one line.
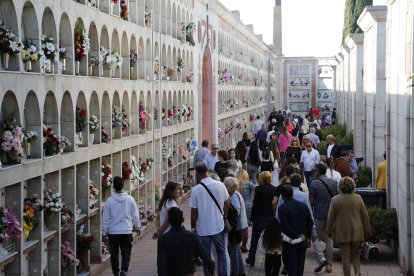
[(320, 264)]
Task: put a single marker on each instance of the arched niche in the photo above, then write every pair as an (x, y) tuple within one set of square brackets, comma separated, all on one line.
[(30, 27), (170, 107), (156, 15), (180, 21), (133, 49), (10, 107), (65, 35), (95, 111), (163, 17), (133, 11), (134, 114), (32, 121), (148, 59), (149, 111), (115, 48), (169, 17), (105, 44), (156, 113), (82, 105), (67, 120), (93, 69), (50, 112), (141, 102), (141, 59), (8, 14), (83, 62), (126, 107), (164, 109), (141, 12), (174, 21), (116, 131), (164, 62), (125, 56), (49, 29), (106, 115)]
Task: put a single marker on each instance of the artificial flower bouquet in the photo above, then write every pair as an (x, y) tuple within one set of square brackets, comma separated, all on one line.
[(106, 177), (83, 241), (8, 43), (126, 171), (31, 215), (117, 119), (80, 119), (93, 124), (11, 140), (49, 49), (142, 116), (133, 58), (124, 10), (9, 226), (66, 215), (105, 136), (82, 42), (30, 52), (51, 202), (189, 76), (190, 28), (68, 256), (93, 194), (150, 213)]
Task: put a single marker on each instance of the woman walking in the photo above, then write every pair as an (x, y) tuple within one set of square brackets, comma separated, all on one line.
[(246, 189), (349, 223), (274, 148), (253, 161), (266, 158), (284, 139), (169, 199), (294, 150)]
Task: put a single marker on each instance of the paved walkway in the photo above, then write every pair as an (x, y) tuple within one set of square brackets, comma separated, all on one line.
[(144, 259)]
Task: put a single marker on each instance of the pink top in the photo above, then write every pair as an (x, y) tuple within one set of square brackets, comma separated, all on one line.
[(284, 141)]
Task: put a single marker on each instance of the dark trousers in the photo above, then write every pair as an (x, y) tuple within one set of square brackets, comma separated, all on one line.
[(123, 241), (293, 256), (258, 226), (309, 177), (272, 264)]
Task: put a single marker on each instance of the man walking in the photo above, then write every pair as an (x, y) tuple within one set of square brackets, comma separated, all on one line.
[(321, 192), (201, 153), (332, 149), (296, 222), (256, 125), (211, 159), (177, 248), (309, 158), (209, 203), (120, 214)]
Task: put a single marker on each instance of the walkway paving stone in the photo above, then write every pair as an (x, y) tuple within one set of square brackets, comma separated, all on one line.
[(144, 259)]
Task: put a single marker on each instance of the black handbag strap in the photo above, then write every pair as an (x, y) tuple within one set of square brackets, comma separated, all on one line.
[(326, 186), (214, 199)]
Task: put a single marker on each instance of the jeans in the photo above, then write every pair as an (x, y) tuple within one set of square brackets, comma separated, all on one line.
[(272, 264), (350, 253), (309, 176), (293, 256), (236, 260), (219, 243), (258, 226), (323, 236), (123, 241)]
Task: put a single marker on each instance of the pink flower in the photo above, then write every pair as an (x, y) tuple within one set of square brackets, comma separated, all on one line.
[(7, 135)]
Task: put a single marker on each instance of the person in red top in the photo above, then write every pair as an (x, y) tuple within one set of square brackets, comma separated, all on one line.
[(288, 124), (317, 111), (311, 113)]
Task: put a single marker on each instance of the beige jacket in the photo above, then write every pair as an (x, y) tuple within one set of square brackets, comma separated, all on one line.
[(348, 219)]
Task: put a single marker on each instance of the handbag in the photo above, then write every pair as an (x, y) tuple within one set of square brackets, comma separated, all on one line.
[(227, 226), (235, 235), (326, 186)]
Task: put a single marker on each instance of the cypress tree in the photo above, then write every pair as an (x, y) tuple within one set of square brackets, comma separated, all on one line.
[(353, 9)]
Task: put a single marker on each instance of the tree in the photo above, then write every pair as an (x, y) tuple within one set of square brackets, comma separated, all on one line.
[(353, 9)]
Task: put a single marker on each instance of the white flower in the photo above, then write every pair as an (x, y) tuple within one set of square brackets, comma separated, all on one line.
[(57, 194), (14, 46), (50, 46), (110, 176)]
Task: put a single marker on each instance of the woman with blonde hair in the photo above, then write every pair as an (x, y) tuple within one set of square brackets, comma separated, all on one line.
[(294, 150), (246, 188), (348, 222), (274, 148)]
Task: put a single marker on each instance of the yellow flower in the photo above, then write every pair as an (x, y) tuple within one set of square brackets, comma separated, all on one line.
[(27, 227), (33, 57)]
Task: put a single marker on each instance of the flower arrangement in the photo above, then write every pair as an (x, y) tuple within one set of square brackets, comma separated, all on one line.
[(9, 225), (189, 111), (220, 132), (142, 116), (180, 64), (225, 76), (106, 174), (165, 151), (63, 53), (104, 245), (93, 124), (51, 141), (83, 241), (170, 161), (8, 42), (82, 42), (133, 58), (124, 10), (94, 61), (136, 173), (51, 202), (103, 53), (150, 213), (155, 114), (150, 163), (141, 211), (11, 140), (143, 166), (66, 215), (31, 214), (156, 68), (147, 15), (80, 119), (189, 33), (116, 117), (67, 256), (104, 136), (114, 60), (93, 193), (29, 52), (48, 48), (64, 143), (91, 3), (170, 72), (125, 121), (189, 76), (126, 171)]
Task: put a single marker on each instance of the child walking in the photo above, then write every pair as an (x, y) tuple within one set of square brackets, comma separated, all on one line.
[(272, 243)]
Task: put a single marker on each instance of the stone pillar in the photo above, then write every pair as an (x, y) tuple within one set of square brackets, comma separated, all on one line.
[(356, 88), (277, 28), (373, 22)]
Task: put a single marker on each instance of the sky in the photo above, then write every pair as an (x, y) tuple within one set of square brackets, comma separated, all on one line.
[(309, 27)]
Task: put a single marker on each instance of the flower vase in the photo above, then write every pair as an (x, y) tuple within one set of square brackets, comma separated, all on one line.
[(91, 138), (77, 68), (64, 64), (61, 150), (28, 150), (90, 70), (79, 139), (6, 58), (28, 66)]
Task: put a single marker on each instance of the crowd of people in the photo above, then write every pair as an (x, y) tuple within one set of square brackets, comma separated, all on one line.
[(274, 182)]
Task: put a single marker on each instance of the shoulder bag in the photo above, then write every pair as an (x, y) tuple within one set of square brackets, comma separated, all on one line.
[(326, 186), (227, 226)]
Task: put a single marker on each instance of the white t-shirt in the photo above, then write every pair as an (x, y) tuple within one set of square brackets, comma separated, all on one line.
[(328, 151), (210, 219), (163, 213), (333, 174), (310, 159)]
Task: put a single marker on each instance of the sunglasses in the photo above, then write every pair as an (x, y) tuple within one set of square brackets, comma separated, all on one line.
[(215, 148)]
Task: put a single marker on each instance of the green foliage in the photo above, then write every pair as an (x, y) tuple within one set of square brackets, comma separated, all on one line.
[(322, 147), (364, 176), (384, 224), (337, 131), (353, 9)]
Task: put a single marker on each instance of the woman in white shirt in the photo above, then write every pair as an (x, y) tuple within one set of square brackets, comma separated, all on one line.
[(266, 158), (169, 199), (235, 156), (330, 172)]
